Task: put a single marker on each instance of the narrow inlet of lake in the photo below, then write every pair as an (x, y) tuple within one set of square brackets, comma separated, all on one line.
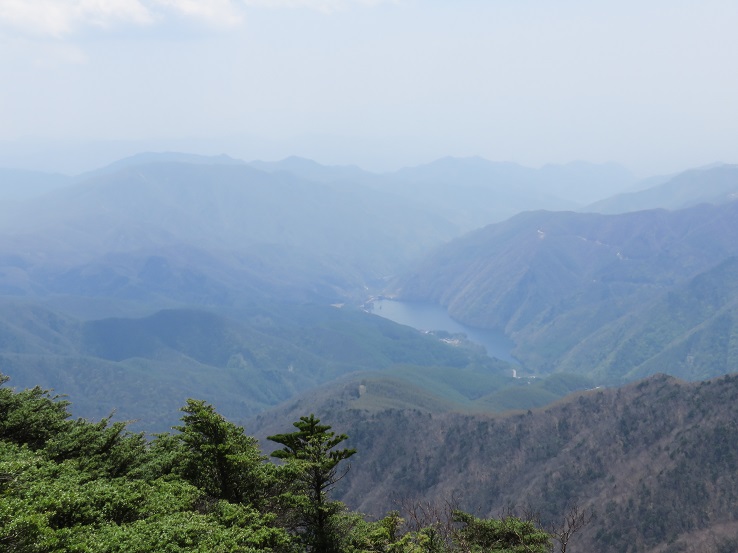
[(428, 316)]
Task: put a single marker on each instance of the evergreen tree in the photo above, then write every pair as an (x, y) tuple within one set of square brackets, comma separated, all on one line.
[(219, 457), (311, 449), (74, 485), (32, 416)]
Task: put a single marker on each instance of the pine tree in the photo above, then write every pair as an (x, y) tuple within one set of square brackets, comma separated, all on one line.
[(311, 449)]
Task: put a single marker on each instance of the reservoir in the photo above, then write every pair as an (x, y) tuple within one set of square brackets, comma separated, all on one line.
[(429, 316)]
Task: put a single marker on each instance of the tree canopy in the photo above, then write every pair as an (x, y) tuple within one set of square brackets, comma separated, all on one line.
[(71, 485)]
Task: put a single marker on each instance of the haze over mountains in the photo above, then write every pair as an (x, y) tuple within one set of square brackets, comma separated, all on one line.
[(235, 218), (333, 230), (164, 231), (165, 276), (172, 230), (714, 184)]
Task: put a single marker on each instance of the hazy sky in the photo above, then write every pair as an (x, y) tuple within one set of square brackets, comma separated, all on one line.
[(652, 84)]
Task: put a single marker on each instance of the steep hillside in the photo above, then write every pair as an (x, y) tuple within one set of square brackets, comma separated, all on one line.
[(689, 332), (549, 280), (713, 185), (656, 461)]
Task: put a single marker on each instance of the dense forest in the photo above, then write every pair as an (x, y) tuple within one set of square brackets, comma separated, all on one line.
[(643, 468), (75, 485)]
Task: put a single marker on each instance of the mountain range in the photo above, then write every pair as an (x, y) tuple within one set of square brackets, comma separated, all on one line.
[(165, 276), (209, 234)]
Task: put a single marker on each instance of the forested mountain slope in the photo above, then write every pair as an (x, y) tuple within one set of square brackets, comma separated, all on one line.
[(79, 485), (550, 280), (689, 331), (656, 460), (144, 367)]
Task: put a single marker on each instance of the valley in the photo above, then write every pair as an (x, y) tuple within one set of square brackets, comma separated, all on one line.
[(164, 277), (368, 276)]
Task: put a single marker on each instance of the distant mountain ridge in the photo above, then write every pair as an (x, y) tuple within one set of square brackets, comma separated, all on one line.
[(278, 227), (309, 169), (714, 184), (574, 182), (281, 227), (473, 192)]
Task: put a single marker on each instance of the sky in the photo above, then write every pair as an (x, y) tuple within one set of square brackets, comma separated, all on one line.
[(650, 84)]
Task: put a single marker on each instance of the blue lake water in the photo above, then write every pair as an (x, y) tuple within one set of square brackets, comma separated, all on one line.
[(429, 316)]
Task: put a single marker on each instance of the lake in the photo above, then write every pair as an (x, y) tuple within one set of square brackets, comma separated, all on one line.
[(429, 316)]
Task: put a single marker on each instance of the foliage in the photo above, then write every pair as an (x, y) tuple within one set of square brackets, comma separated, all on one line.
[(218, 457), (311, 449), (78, 486), (508, 535), (85, 486), (31, 416)]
